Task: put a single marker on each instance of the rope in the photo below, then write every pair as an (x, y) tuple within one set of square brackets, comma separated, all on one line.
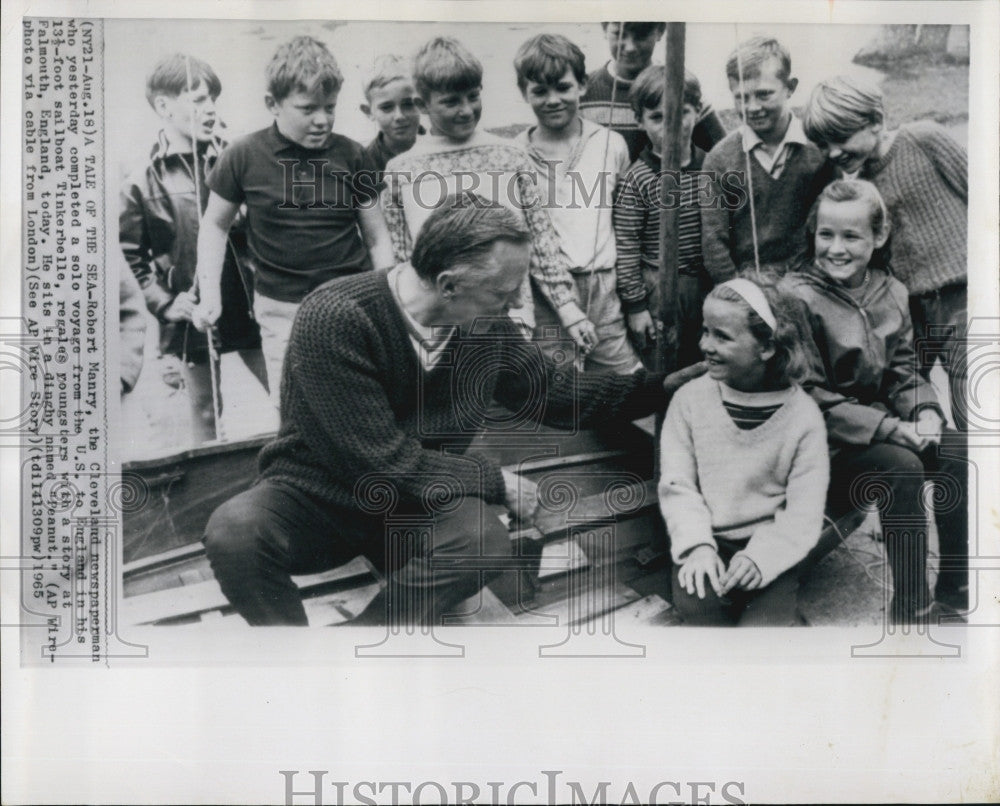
[(210, 332), (746, 153)]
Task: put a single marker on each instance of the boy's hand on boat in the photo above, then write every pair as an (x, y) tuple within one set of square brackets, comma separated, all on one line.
[(742, 573), (584, 334), (702, 562), (642, 328), (675, 380), (522, 496)]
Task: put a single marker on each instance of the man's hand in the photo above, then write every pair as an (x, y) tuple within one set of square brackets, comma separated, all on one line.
[(675, 380), (207, 311), (702, 562), (522, 496), (742, 573), (584, 334), (642, 328), (181, 308)]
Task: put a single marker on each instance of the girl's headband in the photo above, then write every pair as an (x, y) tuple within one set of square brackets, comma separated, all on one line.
[(753, 297)]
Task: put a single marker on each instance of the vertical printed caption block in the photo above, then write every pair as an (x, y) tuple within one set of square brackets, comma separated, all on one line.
[(70, 530)]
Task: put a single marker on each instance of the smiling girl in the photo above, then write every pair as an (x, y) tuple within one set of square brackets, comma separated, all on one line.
[(745, 465), (884, 422)]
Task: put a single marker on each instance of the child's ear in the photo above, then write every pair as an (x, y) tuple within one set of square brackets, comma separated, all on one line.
[(271, 103), (767, 351), (160, 105), (882, 236), (792, 84), (367, 110)]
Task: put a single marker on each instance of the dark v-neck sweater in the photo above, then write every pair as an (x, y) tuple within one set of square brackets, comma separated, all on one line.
[(781, 207), (357, 405)]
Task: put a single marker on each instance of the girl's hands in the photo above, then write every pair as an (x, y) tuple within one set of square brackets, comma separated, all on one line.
[(742, 573), (702, 562), (905, 435), (929, 427)]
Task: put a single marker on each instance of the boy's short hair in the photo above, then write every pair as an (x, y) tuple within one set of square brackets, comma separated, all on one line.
[(445, 65), (749, 56), (545, 59), (305, 65), (460, 233), (387, 68), (179, 73), (640, 30), (647, 89), (840, 107)]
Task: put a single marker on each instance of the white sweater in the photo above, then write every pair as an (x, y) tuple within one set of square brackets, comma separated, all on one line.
[(766, 485)]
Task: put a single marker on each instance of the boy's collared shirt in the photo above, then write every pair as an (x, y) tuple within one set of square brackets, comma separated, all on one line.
[(301, 208), (774, 163), (579, 191)]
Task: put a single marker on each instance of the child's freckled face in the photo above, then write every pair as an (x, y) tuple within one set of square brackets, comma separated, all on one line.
[(764, 100), (732, 352), (845, 240), (555, 105), (304, 118), (394, 110), (455, 114)]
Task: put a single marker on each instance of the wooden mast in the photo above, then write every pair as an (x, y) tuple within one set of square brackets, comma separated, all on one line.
[(673, 154)]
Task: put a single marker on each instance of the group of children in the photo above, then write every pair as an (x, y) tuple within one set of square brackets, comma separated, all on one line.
[(784, 279)]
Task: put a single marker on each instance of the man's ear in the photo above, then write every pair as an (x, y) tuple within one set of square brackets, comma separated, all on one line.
[(367, 110), (445, 283), (792, 84)]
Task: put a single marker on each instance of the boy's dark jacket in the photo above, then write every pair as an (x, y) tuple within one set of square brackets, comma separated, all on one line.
[(158, 233), (863, 363)]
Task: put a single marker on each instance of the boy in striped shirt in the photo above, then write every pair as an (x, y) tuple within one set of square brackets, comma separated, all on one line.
[(637, 221)]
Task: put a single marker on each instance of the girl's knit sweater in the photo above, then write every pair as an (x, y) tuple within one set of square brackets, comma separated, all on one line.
[(766, 486)]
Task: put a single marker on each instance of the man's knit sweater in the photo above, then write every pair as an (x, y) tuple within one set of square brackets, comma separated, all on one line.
[(924, 179), (766, 485), (781, 207), (354, 400)]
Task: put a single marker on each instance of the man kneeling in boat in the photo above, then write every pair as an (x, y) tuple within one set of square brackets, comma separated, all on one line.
[(387, 379)]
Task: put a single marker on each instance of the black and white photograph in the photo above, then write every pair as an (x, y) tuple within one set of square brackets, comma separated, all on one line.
[(508, 403)]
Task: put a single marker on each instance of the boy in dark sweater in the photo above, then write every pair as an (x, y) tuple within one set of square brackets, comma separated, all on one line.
[(778, 173)]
